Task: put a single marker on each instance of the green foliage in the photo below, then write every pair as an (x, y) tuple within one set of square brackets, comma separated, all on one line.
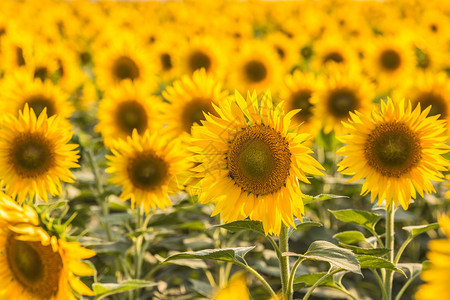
[(358, 217), (233, 255), (103, 290), (416, 230), (375, 262), (309, 280), (350, 237), (334, 255), (365, 251)]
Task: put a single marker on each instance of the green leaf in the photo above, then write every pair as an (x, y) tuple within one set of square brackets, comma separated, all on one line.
[(337, 257), (365, 251), (412, 268), (308, 280), (374, 262), (350, 237), (307, 199), (193, 264), (359, 217), (256, 226), (426, 265), (416, 230), (102, 290), (202, 288), (234, 255)]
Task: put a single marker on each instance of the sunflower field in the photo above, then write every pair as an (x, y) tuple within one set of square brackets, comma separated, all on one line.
[(223, 149)]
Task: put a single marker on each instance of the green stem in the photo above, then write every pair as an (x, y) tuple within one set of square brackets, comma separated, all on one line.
[(284, 261), (405, 286), (402, 248), (138, 245), (380, 283), (345, 291), (260, 278), (375, 234), (292, 275), (138, 257), (390, 246), (275, 246), (318, 282)]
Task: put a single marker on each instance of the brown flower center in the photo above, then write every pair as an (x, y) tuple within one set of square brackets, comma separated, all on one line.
[(38, 102), (392, 149), (147, 171), (34, 266), (438, 104), (193, 112), (31, 154), (125, 68), (333, 56), (390, 60), (130, 115), (341, 102), (255, 71), (198, 60), (166, 61), (259, 160), (301, 100)]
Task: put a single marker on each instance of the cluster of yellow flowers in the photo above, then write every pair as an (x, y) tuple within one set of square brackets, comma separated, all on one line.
[(162, 84)]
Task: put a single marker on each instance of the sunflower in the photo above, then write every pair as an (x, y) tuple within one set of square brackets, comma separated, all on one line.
[(437, 277), (123, 59), (236, 288), (202, 52), (164, 55), (35, 155), (251, 160), (283, 46), (329, 50), (124, 108), (389, 60), (257, 67), (146, 166), (16, 49), (428, 89), (21, 88), (297, 93), (189, 99), (34, 264), (344, 90), (396, 149)]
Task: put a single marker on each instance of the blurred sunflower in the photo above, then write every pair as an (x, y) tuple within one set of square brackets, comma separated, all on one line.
[(123, 59), (257, 67), (21, 88), (437, 277), (251, 161), (189, 99), (296, 93), (202, 52), (396, 149), (146, 166), (236, 288), (70, 76), (389, 60), (284, 49), (16, 49), (124, 108), (329, 50), (164, 55), (344, 90), (35, 264), (35, 155), (428, 89)]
